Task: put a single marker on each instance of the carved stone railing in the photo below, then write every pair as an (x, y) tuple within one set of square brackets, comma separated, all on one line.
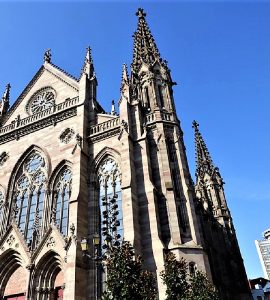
[(18, 123), (150, 118), (166, 116), (105, 126), (159, 116)]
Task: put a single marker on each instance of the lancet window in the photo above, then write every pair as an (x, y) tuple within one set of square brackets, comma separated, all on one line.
[(29, 195), (2, 198), (109, 178), (62, 192)]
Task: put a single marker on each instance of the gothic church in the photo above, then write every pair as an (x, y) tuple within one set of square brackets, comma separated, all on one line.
[(61, 153)]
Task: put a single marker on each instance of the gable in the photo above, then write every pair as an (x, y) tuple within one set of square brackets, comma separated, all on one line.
[(48, 79)]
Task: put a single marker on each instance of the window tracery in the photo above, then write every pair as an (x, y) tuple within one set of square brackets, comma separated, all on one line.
[(3, 158), (109, 178), (29, 194), (62, 192)]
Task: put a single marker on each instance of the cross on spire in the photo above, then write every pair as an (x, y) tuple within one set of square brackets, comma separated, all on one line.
[(140, 13)]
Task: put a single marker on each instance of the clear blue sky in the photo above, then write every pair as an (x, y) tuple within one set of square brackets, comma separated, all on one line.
[(219, 54)]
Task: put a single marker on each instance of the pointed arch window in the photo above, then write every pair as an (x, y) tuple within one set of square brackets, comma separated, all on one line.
[(109, 178), (29, 195), (2, 200), (62, 192)]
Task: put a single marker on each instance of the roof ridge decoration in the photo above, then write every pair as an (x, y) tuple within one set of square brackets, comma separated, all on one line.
[(48, 59), (144, 46), (204, 161)]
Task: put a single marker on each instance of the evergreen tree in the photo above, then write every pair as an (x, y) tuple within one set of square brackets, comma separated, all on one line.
[(125, 278)]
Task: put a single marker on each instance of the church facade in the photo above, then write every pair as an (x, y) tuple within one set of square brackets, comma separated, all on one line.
[(61, 155)]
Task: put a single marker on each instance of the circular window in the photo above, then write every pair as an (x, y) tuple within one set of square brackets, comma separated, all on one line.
[(42, 100)]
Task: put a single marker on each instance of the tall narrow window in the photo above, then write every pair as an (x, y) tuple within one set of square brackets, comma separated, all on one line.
[(62, 192), (160, 92), (29, 194), (147, 97), (110, 186)]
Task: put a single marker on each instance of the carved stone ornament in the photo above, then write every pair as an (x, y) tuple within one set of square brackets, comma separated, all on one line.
[(3, 158), (10, 240), (66, 136), (51, 242)]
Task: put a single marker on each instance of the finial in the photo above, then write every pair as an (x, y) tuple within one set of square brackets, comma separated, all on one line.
[(195, 125), (5, 97), (140, 13), (88, 56), (47, 56), (113, 111)]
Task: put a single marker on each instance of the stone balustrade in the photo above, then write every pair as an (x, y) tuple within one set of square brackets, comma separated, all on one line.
[(18, 123), (105, 126)]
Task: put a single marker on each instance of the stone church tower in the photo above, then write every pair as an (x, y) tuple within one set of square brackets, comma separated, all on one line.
[(61, 155)]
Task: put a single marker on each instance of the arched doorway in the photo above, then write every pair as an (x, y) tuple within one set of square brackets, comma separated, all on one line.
[(48, 278), (13, 277)]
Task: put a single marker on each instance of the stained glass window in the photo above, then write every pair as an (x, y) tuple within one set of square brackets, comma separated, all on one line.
[(29, 194), (109, 177), (62, 191)]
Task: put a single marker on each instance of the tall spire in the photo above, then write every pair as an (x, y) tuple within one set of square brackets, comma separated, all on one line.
[(144, 47), (88, 67), (204, 162), (4, 104)]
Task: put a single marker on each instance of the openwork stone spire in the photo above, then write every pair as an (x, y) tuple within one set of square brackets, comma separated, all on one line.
[(88, 67), (144, 47), (4, 104), (204, 162)]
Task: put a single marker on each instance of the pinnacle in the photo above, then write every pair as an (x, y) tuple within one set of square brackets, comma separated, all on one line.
[(5, 97), (88, 67), (203, 158)]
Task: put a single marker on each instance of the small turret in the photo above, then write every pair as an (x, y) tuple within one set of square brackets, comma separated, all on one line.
[(4, 104)]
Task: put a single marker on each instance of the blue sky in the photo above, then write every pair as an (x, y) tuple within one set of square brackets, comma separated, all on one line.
[(219, 54)]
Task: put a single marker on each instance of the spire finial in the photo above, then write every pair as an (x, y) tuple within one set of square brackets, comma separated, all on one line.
[(195, 125), (47, 56), (140, 13)]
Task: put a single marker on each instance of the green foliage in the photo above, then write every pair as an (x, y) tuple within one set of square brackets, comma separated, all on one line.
[(174, 277), (182, 286), (125, 278), (202, 288)]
